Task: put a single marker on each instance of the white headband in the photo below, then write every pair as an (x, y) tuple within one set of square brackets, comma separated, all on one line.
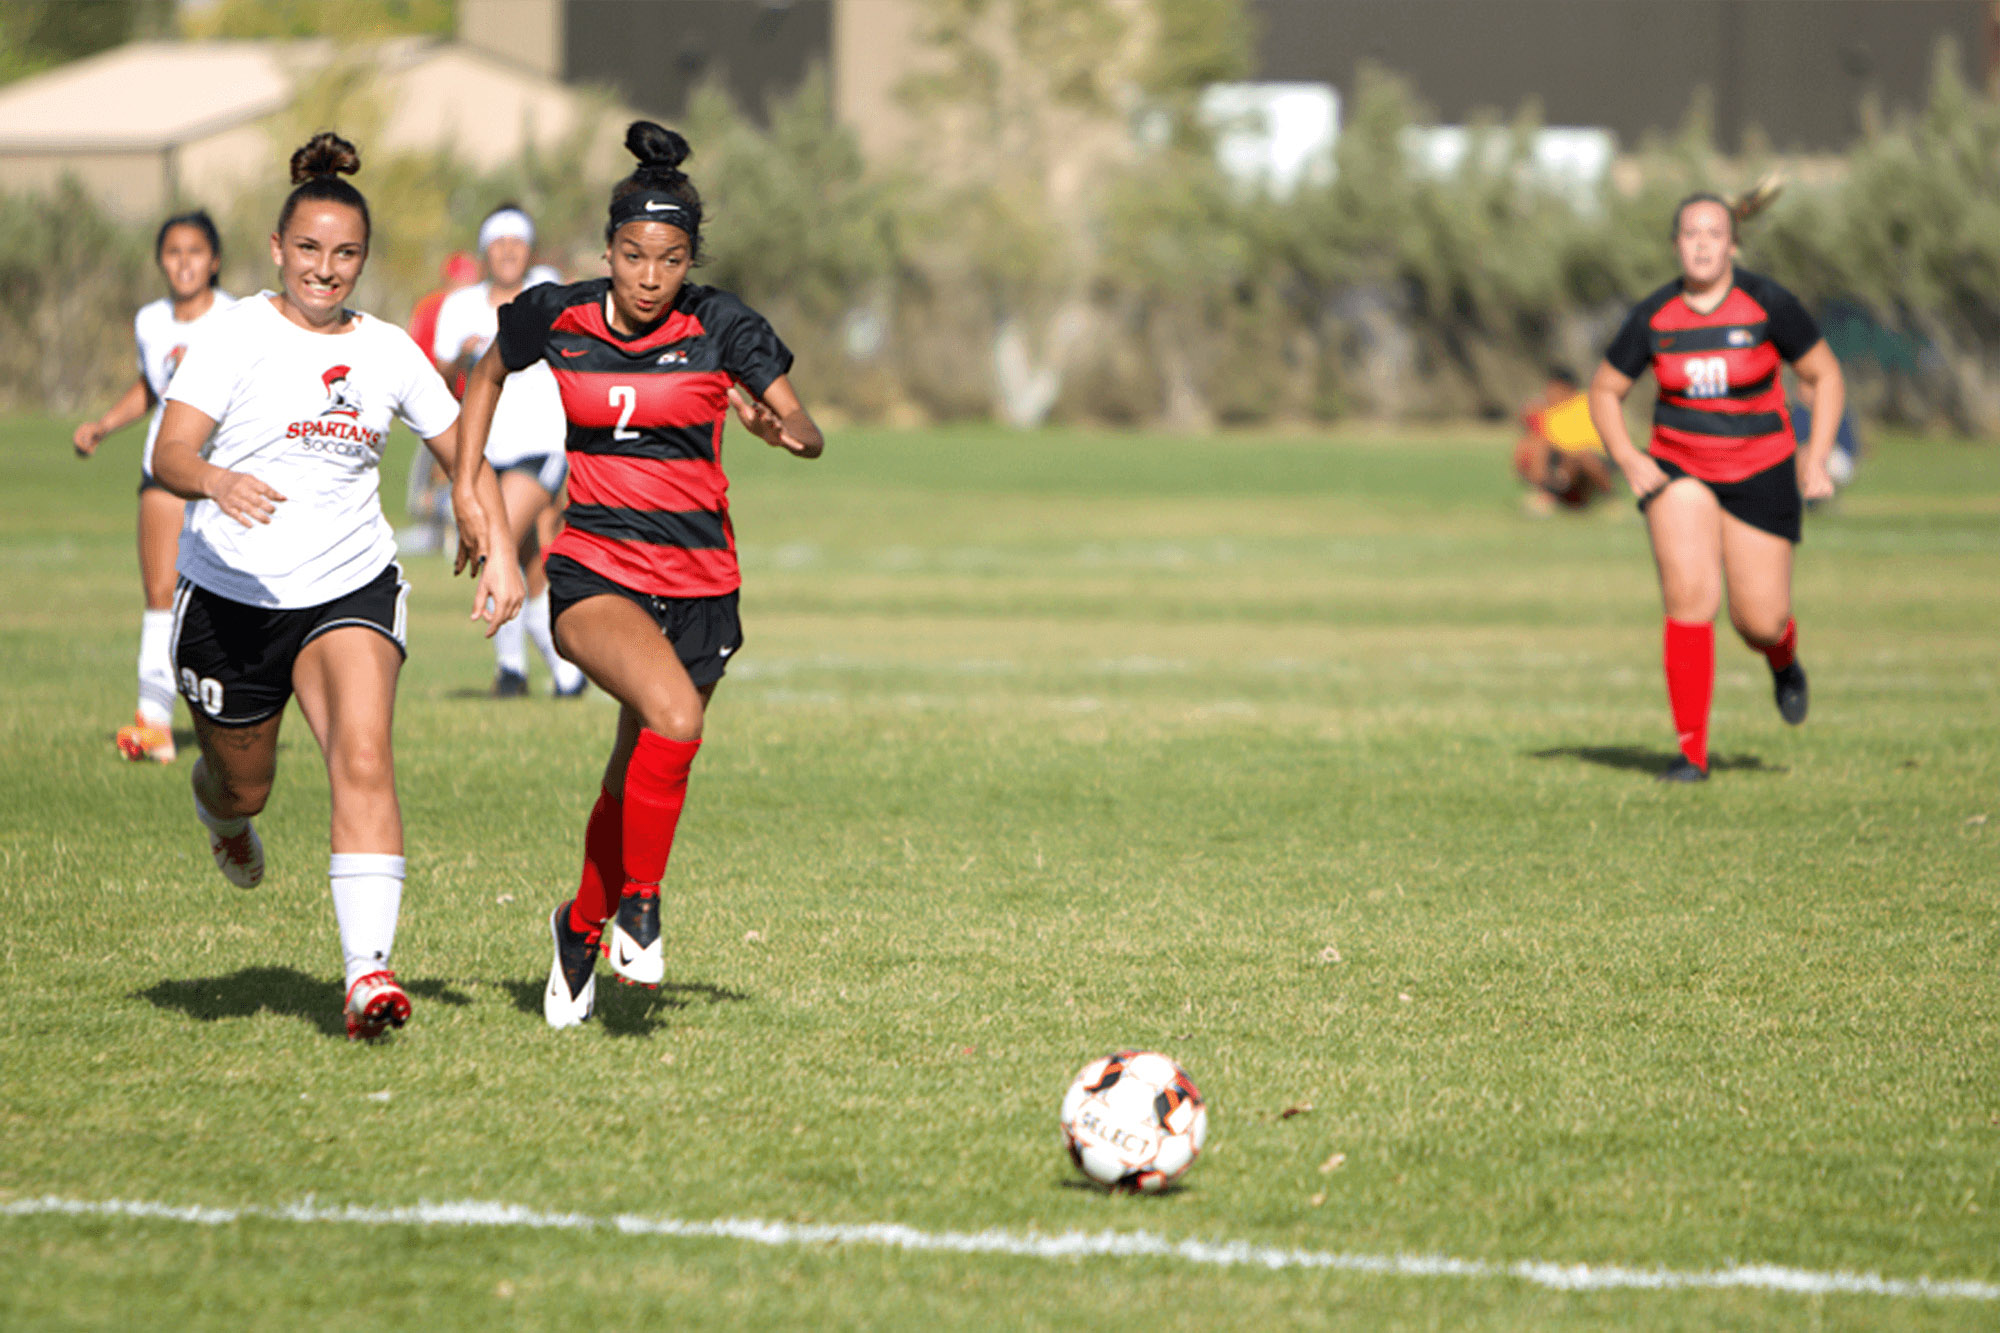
[(507, 224)]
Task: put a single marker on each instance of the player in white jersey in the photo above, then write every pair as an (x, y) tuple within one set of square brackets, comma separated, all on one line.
[(289, 583), (189, 254), (525, 445)]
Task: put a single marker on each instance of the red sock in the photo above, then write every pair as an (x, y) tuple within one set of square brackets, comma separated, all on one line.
[(1785, 651), (603, 866), (655, 786), (1690, 659)]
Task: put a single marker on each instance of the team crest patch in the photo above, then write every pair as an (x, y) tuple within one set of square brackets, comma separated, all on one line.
[(1739, 338), (341, 398)]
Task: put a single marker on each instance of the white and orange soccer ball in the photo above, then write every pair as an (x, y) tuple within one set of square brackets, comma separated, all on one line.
[(1133, 1121)]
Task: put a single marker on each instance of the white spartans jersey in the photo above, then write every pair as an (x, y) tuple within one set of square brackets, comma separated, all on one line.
[(307, 414), (163, 341), (528, 420)]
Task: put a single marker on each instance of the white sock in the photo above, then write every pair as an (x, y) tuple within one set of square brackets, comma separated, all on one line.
[(510, 647), (535, 619), (216, 824), (156, 668), (367, 895)]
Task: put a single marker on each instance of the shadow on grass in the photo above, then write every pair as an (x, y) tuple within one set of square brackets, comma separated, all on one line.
[(278, 990), (1641, 760), (630, 1011)]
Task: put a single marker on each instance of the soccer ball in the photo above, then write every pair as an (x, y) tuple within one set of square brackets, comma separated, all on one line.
[(1133, 1121)]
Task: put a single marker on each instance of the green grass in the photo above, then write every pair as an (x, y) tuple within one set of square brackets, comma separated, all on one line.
[(1308, 760)]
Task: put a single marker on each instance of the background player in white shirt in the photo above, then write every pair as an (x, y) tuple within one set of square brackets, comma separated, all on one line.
[(525, 445), (189, 254), (289, 583)]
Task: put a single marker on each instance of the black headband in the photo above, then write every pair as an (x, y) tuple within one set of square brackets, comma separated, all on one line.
[(654, 206)]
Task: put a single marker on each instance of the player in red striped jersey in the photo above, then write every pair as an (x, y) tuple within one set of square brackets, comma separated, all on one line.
[(643, 582), (1721, 486)]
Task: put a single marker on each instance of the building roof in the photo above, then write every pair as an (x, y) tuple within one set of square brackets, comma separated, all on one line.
[(147, 96)]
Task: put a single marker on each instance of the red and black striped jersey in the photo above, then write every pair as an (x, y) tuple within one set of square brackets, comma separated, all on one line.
[(648, 502), (1721, 411)]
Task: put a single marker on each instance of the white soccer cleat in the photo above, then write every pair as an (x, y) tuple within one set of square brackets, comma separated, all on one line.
[(572, 990), (633, 941), (240, 857), (375, 1003)]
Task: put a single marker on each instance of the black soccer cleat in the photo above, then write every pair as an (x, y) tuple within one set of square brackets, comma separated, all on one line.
[(633, 942), (510, 685), (572, 991), (1685, 770), (1789, 686)]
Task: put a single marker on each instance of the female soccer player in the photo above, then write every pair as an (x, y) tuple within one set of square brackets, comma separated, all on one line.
[(643, 581), (189, 254), (525, 444), (289, 583), (1721, 487)]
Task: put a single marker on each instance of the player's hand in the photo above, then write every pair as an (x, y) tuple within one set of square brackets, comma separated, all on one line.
[(1646, 478), (1815, 482), (499, 595), (243, 497), (86, 439)]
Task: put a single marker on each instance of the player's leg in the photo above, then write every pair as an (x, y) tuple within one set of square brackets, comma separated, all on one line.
[(151, 735), (232, 781), (620, 646), (522, 497), (345, 680), (1685, 523), (538, 494), (1758, 565), (221, 651)]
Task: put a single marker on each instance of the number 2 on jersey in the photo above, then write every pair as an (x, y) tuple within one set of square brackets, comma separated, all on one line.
[(626, 399), (1708, 376)]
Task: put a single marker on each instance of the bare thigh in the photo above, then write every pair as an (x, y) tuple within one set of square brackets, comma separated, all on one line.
[(622, 650), (1759, 568), (159, 544), (1685, 523), (237, 765), (346, 686), (526, 501)]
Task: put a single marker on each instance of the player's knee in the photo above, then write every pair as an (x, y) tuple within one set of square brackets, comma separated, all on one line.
[(363, 766), (675, 718), (1759, 630), (244, 795)]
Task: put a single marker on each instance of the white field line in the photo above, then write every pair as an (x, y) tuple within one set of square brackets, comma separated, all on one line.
[(1066, 1245)]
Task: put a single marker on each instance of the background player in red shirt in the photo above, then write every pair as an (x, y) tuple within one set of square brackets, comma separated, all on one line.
[(643, 581), (1721, 485)]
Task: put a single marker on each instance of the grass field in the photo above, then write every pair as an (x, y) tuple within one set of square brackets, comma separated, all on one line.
[(1309, 761)]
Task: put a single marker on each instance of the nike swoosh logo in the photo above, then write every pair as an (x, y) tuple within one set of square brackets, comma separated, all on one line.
[(565, 351), (652, 207), (624, 958)]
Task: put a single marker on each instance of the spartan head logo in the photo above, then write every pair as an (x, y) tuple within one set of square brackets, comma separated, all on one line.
[(340, 398)]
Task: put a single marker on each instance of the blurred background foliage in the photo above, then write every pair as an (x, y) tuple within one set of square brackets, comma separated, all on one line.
[(1062, 244)]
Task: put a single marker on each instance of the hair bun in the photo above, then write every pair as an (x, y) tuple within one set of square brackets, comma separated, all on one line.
[(657, 147), (325, 154)]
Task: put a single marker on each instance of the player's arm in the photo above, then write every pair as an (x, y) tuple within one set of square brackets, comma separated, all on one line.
[(134, 403), (778, 418), (179, 466), (1608, 388), (1825, 392), (483, 540)]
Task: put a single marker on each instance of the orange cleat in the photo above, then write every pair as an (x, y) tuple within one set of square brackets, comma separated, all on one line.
[(141, 739)]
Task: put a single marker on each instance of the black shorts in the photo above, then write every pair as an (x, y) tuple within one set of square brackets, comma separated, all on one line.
[(234, 662), (1767, 500), (704, 631), (548, 471)]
